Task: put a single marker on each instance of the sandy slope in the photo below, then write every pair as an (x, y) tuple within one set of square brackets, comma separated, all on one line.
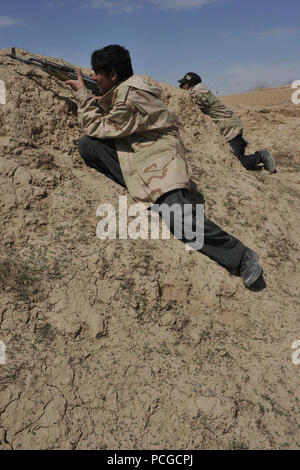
[(264, 97), (140, 344)]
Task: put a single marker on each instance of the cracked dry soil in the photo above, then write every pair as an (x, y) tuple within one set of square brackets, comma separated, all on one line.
[(134, 344)]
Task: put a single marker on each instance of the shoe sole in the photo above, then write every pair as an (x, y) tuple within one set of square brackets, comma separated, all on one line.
[(272, 162), (248, 282)]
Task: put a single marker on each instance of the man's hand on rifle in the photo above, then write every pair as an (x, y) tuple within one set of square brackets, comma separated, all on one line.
[(76, 84)]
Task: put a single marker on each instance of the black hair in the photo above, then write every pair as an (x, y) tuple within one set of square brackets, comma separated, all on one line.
[(112, 58)]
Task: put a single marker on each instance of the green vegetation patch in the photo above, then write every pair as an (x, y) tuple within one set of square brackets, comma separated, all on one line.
[(20, 277)]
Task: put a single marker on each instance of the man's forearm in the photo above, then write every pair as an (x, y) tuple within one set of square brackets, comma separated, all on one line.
[(87, 105)]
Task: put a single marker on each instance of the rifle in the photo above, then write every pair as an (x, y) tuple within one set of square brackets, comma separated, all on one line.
[(62, 72)]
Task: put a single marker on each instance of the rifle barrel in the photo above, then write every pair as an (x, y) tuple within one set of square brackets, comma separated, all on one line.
[(62, 72)]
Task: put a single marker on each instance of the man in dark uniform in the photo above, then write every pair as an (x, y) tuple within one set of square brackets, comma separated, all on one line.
[(228, 123)]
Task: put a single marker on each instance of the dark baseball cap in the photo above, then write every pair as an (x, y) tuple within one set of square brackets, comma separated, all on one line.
[(191, 78)]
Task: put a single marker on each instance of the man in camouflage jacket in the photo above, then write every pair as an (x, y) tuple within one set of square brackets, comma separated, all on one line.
[(149, 147), (227, 122), (131, 137)]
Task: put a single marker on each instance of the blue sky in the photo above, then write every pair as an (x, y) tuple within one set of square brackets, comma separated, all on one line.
[(234, 45)]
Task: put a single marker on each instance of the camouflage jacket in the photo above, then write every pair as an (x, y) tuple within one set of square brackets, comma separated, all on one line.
[(227, 122), (149, 147)]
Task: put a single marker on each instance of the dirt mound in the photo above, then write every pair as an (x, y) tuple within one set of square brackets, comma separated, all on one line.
[(134, 344), (264, 97)]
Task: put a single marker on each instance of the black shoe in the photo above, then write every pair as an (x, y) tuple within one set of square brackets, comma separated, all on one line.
[(268, 161), (250, 270)]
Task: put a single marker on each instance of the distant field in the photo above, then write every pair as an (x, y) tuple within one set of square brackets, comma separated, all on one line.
[(265, 97)]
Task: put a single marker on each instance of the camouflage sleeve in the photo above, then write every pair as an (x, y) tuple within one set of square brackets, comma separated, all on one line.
[(201, 101), (121, 120), (86, 101)]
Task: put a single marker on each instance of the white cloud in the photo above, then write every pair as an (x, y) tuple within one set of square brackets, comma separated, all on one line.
[(51, 5), (120, 6), (113, 6), (241, 78), (9, 21), (181, 4), (261, 35), (277, 32)]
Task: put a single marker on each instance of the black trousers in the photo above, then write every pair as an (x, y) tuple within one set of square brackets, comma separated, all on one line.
[(238, 145), (101, 154), (218, 245)]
